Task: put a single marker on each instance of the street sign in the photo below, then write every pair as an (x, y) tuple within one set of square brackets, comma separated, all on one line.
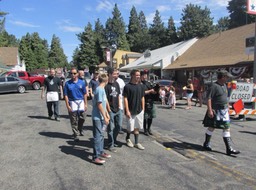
[(251, 7), (243, 91)]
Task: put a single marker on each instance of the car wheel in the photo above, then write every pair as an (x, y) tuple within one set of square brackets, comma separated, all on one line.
[(21, 89), (36, 85)]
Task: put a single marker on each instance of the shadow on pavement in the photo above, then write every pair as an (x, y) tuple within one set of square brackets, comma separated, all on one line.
[(56, 135), (38, 117), (79, 152), (248, 132)]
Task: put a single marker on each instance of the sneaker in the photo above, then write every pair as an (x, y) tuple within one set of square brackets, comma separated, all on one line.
[(139, 146), (76, 139), (150, 132), (111, 149), (98, 161), (50, 117), (146, 133), (129, 143), (105, 155), (57, 118)]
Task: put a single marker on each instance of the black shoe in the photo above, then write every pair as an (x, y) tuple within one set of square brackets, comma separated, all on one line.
[(146, 133), (150, 132), (207, 147), (111, 149), (57, 118), (50, 117), (81, 133)]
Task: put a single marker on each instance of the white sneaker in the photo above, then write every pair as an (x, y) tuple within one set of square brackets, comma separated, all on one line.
[(129, 143), (139, 146)]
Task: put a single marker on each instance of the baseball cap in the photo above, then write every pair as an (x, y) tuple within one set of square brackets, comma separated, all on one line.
[(223, 73)]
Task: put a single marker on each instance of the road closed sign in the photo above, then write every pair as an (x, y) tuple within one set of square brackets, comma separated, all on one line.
[(243, 91)]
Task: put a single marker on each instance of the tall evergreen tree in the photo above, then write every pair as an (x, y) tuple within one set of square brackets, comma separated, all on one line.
[(87, 50), (195, 22), (57, 57), (75, 57), (223, 24), (8, 40), (133, 29), (115, 30), (171, 34), (238, 15), (99, 39), (157, 31)]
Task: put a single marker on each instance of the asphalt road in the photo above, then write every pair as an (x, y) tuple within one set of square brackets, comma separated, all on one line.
[(37, 153)]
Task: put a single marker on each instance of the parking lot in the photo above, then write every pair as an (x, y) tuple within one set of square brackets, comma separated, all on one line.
[(37, 153)]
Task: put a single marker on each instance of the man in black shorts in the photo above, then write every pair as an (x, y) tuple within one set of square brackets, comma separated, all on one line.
[(217, 116), (134, 104)]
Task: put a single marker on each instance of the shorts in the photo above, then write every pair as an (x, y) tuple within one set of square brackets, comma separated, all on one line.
[(189, 95), (135, 122)]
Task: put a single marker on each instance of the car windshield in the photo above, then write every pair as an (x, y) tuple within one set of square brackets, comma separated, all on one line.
[(3, 74)]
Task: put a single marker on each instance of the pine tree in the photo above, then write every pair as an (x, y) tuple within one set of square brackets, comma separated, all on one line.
[(99, 40), (238, 15), (195, 22), (57, 58), (171, 34), (133, 29), (157, 31), (87, 50)]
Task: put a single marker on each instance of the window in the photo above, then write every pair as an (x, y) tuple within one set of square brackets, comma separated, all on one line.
[(14, 74), (21, 74), (2, 79), (11, 79)]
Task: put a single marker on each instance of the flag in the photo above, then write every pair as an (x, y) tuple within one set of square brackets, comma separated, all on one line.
[(251, 7)]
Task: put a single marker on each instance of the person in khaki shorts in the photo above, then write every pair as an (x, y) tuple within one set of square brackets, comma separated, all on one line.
[(134, 104)]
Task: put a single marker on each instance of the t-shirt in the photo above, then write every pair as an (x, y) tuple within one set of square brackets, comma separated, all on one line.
[(93, 84), (121, 85), (52, 84), (112, 92), (75, 90), (99, 97), (149, 98), (218, 94), (134, 94), (83, 79)]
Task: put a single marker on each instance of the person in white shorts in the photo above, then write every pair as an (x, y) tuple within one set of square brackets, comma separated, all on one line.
[(134, 104)]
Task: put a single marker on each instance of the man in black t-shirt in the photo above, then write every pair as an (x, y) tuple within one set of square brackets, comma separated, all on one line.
[(112, 90), (52, 87), (134, 104)]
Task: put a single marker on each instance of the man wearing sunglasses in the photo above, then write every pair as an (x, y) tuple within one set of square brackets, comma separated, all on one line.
[(76, 102)]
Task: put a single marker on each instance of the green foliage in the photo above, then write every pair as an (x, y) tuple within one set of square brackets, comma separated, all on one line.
[(170, 36), (195, 22), (87, 49), (238, 15), (223, 24), (8, 40)]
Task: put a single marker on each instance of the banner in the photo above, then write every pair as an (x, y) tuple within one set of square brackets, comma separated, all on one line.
[(251, 7)]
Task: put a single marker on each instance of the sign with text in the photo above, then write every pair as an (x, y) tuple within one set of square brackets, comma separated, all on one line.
[(251, 7), (243, 91)]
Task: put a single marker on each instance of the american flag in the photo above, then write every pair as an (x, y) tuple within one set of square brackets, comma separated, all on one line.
[(251, 7)]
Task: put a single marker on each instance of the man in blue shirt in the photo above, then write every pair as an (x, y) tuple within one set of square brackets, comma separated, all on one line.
[(76, 102)]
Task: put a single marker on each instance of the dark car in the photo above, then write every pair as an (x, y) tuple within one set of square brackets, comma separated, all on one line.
[(14, 84), (164, 83)]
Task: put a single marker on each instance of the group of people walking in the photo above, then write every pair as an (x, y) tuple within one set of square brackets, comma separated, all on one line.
[(112, 99)]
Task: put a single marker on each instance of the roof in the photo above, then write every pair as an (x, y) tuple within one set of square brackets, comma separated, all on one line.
[(102, 65), (220, 49), (9, 56), (160, 58)]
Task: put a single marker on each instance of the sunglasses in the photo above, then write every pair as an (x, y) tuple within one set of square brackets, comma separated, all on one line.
[(73, 73)]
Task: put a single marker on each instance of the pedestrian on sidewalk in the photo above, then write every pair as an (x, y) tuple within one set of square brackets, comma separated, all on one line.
[(51, 88), (112, 90), (76, 102), (189, 90), (172, 97), (217, 115), (100, 120), (134, 104), (94, 83), (150, 109), (121, 85)]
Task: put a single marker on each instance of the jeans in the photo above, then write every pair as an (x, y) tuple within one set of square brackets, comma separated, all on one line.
[(113, 127), (98, 138), (121, 119), (55, 108), (77, 121)]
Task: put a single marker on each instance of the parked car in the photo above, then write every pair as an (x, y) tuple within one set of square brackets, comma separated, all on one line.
[(35, 81), (13, 84)]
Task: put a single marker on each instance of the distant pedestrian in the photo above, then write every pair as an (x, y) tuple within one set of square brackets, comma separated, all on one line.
[(100, 119), (121, 85), (134, 104), (172, 97), (217, 115), (94, 83), (81, 76), (114, 101), (76, 102), (52, 87), (150, 110), (189, 90), (162, 93)]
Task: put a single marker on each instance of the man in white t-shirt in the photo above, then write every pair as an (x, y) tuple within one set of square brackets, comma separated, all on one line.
[(121, 84)]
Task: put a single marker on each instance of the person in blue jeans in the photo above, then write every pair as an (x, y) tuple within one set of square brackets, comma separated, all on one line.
[(112, 90), (100, 118)]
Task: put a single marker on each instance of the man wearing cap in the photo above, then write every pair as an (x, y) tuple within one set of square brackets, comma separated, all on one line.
[(150, 110), (217, 115)]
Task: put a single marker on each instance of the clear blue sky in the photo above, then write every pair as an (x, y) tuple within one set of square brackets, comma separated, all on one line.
[(66, 18)]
